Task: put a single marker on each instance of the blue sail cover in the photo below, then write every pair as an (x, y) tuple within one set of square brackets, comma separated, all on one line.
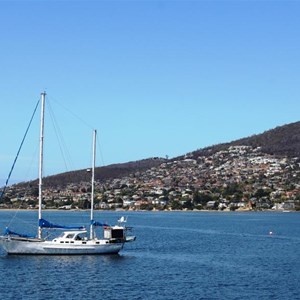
[(9, 232), (95, 223), (45, 224)]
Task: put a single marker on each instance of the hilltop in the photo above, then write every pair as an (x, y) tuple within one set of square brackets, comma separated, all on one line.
[(282, 141), (258, 172)]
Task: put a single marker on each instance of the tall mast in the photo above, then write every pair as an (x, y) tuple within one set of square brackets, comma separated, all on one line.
[(43, 95), (93, 184)]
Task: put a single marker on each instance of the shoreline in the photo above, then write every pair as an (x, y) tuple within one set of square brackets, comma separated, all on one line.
[(154, 211)]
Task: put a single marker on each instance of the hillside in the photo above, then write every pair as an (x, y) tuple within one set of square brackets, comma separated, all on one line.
[(258, 172), (282, 141), (101, 173)]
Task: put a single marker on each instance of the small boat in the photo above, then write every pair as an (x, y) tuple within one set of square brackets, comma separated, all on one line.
[(73, 240)]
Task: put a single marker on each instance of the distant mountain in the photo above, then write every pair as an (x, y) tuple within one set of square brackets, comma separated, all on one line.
[(283, 141)]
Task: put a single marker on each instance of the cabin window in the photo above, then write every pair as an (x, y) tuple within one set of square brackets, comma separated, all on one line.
[(70, 236), (61, 242), (117, 233)]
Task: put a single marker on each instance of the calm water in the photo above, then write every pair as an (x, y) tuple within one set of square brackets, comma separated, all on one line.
[(177, 255)]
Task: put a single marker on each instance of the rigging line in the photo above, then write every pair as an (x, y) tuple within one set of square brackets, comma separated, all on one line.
[(99, 149), (16, 212), (62, 145), (32, 161), (28, 223), (72, 113), (19, 150), (25, 195)]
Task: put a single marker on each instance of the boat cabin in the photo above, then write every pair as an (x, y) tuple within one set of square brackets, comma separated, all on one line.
[(111, 234), (114, 233), (68, 236)]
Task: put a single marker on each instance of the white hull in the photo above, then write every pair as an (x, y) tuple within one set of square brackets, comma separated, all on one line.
[(34, 246)]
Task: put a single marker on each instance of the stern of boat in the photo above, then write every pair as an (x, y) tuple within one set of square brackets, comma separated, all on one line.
[(117, 234)]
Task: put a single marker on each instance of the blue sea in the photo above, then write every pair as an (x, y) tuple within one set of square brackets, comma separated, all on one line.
[(177, 255)]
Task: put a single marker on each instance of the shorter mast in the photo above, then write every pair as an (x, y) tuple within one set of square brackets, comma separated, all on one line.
[(43, 95), (93, 185)]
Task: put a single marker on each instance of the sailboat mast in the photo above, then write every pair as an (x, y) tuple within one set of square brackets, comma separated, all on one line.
[(93, 184), (43, 95)]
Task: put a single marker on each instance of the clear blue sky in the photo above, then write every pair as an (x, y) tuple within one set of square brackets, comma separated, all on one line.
[(155, 78)]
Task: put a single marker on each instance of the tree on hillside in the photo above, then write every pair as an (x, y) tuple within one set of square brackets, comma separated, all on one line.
[(201, 198)]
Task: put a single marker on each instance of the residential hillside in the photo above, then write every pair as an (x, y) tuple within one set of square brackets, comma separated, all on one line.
[(259, 172)]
